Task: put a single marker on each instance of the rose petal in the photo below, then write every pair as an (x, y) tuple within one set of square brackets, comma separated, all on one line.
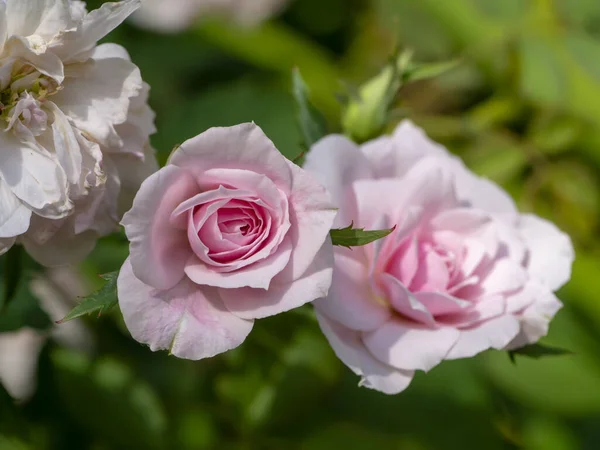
[(188, 320), (336, 162), (438, 303), (535, 320), (403, 301), (159, 251), (242, 146), (312, 215), (14, 215), (393, 157), (348, 346), (350, 301), (550, 254), (495, 333), (282, 294), (256, 275), (410, 346), (504, 276)]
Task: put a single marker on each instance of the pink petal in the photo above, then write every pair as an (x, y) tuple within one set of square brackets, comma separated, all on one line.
[(256, 275), (404, 302), (351, 302), (348, 346), (256, 184), (505, 276), (312, 214), (282, 294), (405, 262), (535, 320), (460, 220), (550, 251), (377, 198), (242, 146), (484, 309), (410, 346), (392, 157), (336, 162), (158, 250), (495, 333), (188, 320), (410, 145), (438, 303), (432, 272)]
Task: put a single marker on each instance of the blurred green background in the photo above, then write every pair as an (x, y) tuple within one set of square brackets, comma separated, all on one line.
[(523, 108)]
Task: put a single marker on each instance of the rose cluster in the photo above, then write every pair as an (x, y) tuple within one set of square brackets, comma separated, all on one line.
[(230, 231)]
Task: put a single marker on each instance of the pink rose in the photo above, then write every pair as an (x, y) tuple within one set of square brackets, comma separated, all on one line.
[(463, 271), (228, 232)]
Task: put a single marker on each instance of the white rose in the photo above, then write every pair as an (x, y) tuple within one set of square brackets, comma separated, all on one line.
[(73, 116)]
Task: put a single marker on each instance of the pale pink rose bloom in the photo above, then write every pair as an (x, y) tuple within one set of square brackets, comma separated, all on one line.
[(228, 232), (462, 272)]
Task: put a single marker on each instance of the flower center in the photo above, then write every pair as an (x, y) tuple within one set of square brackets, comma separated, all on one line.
[(21, 101)]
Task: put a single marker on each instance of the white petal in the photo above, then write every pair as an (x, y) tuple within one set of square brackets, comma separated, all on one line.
[(25, 15), (3, 25), (34, 51), (61, 246), (14, 215), (94, 26), (550, 251), (98, 99), (34, 177), (66, 145)]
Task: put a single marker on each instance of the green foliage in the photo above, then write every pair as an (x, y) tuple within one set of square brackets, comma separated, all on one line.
[(98, 302), (310, 120), (356, 237), (108, 400)]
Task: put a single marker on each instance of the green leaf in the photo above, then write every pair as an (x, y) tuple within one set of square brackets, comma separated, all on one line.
[(100, 301), (417, 72), (311, 122), (355, 237), (366, 115), (537, 351)]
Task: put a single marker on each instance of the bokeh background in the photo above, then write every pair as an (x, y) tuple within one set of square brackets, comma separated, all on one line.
[(522, 108)]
